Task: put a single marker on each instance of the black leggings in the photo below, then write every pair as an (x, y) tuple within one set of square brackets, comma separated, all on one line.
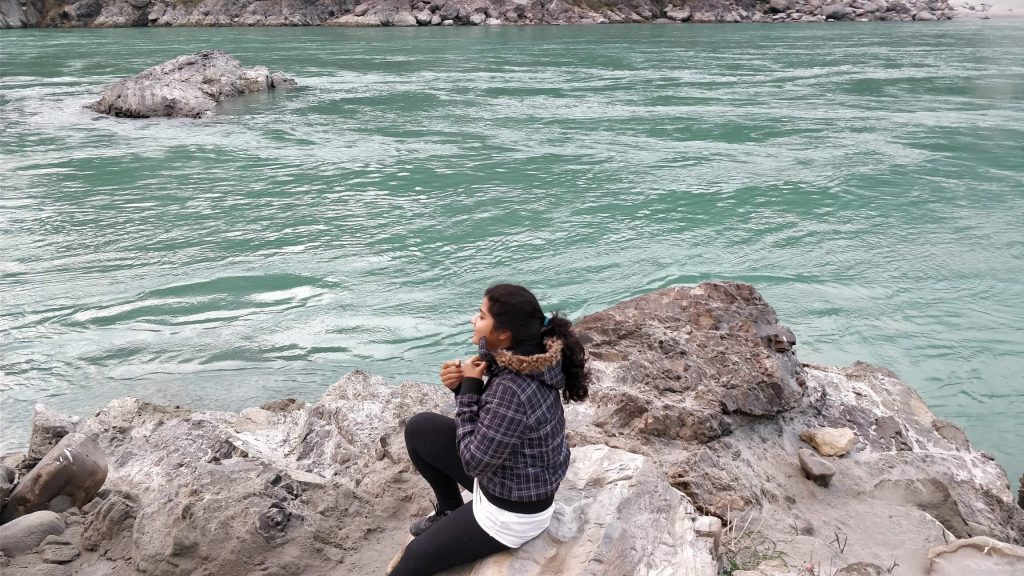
[(457, 538)]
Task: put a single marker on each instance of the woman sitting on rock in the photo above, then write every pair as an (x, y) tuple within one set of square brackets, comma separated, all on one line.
[(507, 442)]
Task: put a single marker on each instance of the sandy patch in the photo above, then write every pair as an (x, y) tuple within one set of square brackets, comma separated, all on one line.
[(985, 9)]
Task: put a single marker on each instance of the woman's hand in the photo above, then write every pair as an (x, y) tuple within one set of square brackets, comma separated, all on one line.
[(451, 374), (474, 367)]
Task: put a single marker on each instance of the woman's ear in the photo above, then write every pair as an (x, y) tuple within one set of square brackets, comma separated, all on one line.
[(504, 338)]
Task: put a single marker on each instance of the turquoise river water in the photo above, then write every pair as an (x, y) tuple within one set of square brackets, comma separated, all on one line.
[(867, 178)]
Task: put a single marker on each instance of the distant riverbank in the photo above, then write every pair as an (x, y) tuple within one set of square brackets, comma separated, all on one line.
[(373, 13), (987, 9), (410, 13)]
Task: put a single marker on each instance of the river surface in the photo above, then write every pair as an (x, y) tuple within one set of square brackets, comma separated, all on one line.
[(867, 178)]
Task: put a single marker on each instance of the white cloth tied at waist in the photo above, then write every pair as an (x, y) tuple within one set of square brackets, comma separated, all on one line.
[(509, 528)]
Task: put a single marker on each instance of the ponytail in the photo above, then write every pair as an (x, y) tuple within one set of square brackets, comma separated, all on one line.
[(574, 358), (516, 309)]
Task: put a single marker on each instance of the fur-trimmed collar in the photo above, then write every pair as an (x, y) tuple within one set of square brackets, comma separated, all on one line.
[(532, 363)]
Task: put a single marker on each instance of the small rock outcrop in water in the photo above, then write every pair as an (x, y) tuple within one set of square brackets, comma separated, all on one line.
[(187, 86), (694, 413)]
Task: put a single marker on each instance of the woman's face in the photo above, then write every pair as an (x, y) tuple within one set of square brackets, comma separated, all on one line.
[(483, 325)]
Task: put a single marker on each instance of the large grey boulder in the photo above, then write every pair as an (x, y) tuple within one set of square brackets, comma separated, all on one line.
[(615, 514), (741, 463), (69, 476), (261, 486), (325, 488), (187, 86), (688, 362), (24, 534)]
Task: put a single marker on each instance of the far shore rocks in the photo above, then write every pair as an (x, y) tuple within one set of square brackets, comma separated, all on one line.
[(187, 87), (411, 13), (689, 454)]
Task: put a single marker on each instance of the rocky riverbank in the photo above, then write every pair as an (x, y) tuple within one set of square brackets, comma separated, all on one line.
[(703, 427), (126, 13)]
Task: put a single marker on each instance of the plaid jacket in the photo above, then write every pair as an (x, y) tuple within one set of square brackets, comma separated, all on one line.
[(511, 433)]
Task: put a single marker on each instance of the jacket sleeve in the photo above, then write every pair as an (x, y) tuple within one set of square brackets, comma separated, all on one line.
[(486, 434)]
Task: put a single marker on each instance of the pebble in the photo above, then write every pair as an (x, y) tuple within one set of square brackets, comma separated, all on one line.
[(816, 468)]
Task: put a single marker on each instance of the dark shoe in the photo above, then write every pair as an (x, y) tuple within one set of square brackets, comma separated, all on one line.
[(423, 524)]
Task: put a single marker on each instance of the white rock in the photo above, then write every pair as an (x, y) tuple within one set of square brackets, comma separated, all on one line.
[(830, 441)]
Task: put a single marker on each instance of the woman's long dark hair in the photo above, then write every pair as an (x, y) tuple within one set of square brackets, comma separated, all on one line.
[(517, 310)]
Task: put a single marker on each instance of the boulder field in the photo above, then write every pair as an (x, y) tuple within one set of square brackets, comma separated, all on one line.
[(705, 446), (410, 13)]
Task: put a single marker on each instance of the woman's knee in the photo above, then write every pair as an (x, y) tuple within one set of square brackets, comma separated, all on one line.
[(413, 561), (426, 424), (418, 425)]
